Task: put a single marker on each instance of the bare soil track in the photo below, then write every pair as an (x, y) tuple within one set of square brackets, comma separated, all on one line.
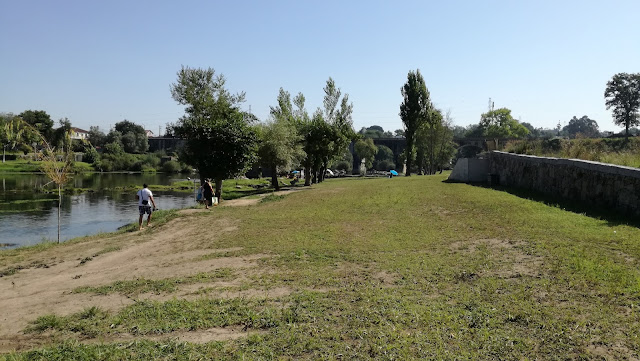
[(175, 249)]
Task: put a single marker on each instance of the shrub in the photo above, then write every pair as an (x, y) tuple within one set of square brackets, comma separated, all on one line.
[(171, 167), (385, 165), (91, 155)]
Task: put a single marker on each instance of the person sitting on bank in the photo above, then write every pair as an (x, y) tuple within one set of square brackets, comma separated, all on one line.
[(144, 196), (207, 191)]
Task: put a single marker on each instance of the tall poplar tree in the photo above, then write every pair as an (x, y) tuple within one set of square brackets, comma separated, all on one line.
[(414, 111)]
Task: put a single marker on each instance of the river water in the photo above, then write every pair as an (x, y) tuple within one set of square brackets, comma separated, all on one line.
[(29, 217)]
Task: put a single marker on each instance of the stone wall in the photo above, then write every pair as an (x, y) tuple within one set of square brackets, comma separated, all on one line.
[(600, 184)]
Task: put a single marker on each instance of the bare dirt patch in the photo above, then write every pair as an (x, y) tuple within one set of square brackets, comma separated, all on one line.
[(511, 256), (175, 249)]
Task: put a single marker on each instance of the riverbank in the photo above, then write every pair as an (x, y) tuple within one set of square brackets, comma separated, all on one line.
[(402, 268)]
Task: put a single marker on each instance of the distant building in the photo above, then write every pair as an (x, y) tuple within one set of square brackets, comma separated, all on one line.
[(77, 133), (149, 133)]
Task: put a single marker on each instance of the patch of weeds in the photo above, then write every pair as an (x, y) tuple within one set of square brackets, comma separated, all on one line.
[(89, 322), (226, 254), (85, 260), (10, 271), (107, 250), (272, 198), (169, 285)]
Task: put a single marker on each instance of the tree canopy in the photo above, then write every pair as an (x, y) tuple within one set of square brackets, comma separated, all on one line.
[(219, 141), (40, 121), (366, 150), (623, 96), (280, 145), (583, 126), (414, 111), (499, 123)]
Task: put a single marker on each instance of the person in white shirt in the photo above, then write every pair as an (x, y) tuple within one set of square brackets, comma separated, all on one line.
[(144, 196)]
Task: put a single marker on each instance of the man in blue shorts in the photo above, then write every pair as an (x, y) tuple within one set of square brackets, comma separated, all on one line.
[(145, 200)]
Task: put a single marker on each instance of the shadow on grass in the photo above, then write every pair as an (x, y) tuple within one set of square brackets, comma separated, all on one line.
[(611, 216)]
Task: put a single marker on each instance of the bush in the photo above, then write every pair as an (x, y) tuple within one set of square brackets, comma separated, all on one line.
[(171, 167), (385, 165), (91, 155), (343, 165)]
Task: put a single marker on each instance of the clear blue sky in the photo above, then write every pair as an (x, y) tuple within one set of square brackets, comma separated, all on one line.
[(98, 62)]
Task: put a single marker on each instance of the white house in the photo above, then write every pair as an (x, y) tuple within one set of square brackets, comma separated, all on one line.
[(77, 133)]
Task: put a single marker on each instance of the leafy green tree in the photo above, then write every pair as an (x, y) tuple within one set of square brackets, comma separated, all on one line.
[(11, 132), (499, 123), (434, 142), (584, 126), (40, 121), (366, 150), (280, 144), (398, 133), (219, 140), (61, 136), (134, 137), (96, 137), (340, 120), (623, 95), (414, 111), (384, 158)]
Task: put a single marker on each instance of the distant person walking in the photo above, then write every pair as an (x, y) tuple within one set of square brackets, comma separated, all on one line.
[(207, 191), (144, 196)]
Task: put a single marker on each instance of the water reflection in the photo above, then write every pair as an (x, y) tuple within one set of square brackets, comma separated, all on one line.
[(28, 217)]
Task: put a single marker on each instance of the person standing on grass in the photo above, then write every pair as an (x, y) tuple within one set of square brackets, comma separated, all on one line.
[(207, 192), (144, 196)]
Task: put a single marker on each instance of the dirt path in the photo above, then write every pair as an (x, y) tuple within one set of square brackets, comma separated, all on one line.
[(175, 249)]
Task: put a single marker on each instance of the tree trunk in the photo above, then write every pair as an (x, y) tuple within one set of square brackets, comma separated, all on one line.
[(307, 176), (274, 178), (59, 203), (4, 149), (409, 153), (626, 134), (218, 193)]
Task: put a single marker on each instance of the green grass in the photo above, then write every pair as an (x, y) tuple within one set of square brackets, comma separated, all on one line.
[(402, 268), (613, 151), (138, 286), (28, 166)]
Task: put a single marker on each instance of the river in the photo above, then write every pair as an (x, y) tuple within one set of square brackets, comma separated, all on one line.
[(28, 217)]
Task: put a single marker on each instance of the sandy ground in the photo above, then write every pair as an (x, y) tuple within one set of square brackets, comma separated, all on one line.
[(175, 249)]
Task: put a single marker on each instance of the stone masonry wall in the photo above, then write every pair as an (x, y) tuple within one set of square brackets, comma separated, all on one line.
[(601, 184)]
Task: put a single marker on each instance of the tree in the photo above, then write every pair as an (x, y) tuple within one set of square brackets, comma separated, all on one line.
[(499, 123), (434, 142), (60, 138), (341, 123), (134, 137), (96, 137), (11, 131), (384, 158), (40, 121), (623, 95), (57, 165), (366, 150), (414, 110), (280, 145), (583, 126), (219, 141)]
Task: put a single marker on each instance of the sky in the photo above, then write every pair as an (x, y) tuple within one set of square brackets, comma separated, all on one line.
[(99, 62)]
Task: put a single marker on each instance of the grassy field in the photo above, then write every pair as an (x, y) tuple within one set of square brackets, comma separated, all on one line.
[(27, 166), (389, 269)]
